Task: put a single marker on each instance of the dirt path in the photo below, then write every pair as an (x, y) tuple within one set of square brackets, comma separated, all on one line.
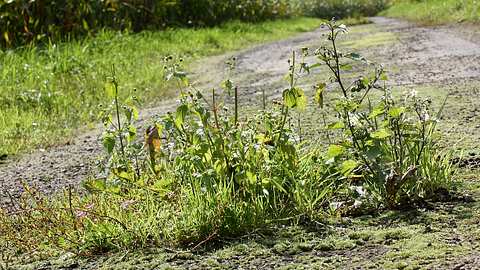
[(415, 56)]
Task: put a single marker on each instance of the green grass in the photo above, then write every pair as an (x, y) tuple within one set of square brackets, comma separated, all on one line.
[(435, 11), (46, 93)]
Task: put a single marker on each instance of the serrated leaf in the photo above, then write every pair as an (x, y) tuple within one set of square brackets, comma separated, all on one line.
[(180, 115), (108, 141), (381, 134), (320, 88), (295, 98), (396, 111)]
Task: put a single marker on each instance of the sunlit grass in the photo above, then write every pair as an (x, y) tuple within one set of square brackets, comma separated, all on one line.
[(46, 93), (436, 11)]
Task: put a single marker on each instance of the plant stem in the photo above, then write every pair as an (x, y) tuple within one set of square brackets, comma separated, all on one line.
[(338, 77), (119, 123), (236, 105), (264, 99)]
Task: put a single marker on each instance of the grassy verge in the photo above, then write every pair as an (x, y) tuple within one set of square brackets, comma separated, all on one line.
[(46, 93), (435, 11)]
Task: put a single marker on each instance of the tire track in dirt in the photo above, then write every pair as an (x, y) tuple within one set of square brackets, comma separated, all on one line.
[(417, 55)]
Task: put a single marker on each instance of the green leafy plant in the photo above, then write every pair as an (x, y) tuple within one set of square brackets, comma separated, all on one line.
[(388, 144), (119, 137)]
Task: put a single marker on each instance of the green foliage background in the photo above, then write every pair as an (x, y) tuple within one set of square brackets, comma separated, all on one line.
[(27, 21)]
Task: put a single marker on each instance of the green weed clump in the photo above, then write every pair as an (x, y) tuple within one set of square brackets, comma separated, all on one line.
[(206, 171)]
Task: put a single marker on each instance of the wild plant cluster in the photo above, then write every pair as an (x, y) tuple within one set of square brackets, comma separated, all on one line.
[(26, 21), (207, 171)]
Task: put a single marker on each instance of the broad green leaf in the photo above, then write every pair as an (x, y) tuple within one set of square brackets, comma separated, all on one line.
[(180, 115), (377, 111), (348, 166), (125, 175), (337, 125), (132, 133), (295, 98), (108, 142), (134, 112), (334, 151), (384, 76), (346, 67), (396, 111), (381, 134), (252, 177), (110, 89), (289, 98), (227, 85), (131, 113), (301, 99), (85, 25)]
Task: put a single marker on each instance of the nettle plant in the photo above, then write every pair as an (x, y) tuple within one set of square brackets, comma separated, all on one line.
[(211, 147), (124, 151), (387, 145)]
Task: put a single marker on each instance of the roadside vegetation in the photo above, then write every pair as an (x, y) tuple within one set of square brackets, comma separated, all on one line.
[(435, 11), (207, 172), (212, 173)]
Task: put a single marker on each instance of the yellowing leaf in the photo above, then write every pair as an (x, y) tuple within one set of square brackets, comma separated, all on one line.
[(334, 151), (110, 89), (152, 139), (320, 88), (295, 98), (348, 166), (396, 111)]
